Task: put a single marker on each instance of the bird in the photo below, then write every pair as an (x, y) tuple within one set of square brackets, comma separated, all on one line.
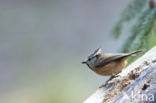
[(108, 64)]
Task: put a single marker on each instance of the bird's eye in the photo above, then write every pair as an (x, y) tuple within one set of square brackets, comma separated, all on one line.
[(89, 59), (96, 56)]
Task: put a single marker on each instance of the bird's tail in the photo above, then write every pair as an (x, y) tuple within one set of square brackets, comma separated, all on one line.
[(135, 52)]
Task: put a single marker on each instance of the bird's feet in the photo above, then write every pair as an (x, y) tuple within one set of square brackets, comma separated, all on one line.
[(107, 83)]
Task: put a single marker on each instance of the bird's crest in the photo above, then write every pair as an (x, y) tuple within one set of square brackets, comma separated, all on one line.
[(96, 52)]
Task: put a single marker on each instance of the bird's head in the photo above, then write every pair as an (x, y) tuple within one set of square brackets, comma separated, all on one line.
[(92, 58)]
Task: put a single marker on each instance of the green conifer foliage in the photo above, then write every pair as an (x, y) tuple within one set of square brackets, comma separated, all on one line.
[(142, 32), (130, 12)]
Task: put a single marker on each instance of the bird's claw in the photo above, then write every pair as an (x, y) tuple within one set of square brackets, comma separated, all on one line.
[(106, 85)]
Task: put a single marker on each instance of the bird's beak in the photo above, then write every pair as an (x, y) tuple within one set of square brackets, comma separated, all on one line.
[(83, 62)]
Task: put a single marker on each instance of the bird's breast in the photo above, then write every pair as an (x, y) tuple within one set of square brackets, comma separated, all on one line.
[(112, 67)]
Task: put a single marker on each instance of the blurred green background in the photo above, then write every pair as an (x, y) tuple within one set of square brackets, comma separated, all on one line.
[(42, 44)]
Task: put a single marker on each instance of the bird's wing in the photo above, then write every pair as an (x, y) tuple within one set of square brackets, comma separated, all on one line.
[(114, 57), (110, 59)]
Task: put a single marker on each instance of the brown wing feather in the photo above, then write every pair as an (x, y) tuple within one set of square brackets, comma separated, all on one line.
[(116, 57), (108, 60)]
